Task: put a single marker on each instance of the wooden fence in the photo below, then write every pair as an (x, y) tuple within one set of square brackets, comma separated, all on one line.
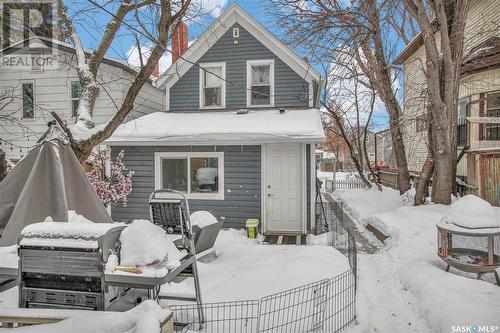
[(389, 178)]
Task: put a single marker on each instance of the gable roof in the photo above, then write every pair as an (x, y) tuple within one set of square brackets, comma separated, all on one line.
[(235, 14)]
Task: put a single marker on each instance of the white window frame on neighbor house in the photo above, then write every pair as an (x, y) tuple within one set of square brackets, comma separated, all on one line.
[(71, 98), (159, 156), (251, 63), (203, 68), (32, 82)]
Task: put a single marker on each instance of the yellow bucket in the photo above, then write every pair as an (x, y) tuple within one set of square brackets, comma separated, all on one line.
[(252, 226)]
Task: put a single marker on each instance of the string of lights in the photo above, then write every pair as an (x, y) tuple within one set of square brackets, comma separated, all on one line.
[(10, 145)]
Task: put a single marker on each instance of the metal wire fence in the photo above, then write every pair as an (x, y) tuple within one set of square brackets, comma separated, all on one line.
[(325, 306), (236, 316)]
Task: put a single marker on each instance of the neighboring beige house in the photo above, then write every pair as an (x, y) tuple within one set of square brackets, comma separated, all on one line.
[(479, 102), (35, 90)]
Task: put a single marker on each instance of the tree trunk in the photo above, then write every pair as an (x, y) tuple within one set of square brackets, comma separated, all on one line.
[(442, 71), (422, 186), (400, 156), (380, 77), (444, 158)]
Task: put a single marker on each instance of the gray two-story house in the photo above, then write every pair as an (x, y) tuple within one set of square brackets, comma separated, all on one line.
[(238, 132)]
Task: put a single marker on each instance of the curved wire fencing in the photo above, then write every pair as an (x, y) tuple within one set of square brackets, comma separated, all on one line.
[(325, 306)]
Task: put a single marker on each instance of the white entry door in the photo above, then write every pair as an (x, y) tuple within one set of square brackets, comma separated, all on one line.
[(283, 188)]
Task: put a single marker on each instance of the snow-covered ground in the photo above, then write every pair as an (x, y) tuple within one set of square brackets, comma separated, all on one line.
[(403, 286), (246, 269)]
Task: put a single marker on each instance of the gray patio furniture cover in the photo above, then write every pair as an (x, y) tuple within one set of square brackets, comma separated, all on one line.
[(49, 181)]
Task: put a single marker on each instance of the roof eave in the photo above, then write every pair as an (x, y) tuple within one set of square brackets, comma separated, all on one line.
[(411, 48)]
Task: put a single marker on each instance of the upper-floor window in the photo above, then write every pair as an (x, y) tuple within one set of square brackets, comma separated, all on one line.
[(260, 83), (28, 99), (462, 122), (492, 131), (212, 85), (76, 92)]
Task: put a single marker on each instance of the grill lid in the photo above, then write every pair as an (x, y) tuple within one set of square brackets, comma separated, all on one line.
[(70, 235)]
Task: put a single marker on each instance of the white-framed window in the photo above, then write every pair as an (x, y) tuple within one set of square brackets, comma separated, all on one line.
[(198, 174), (213, 85), (492, 131), (28, 100), (75, 93), (236, 32), (260, 83)]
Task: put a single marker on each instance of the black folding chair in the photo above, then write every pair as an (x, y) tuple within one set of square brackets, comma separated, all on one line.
[(169, 209)]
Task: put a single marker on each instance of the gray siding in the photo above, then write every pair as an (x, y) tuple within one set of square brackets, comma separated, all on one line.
[(242, 178), (289, 88)]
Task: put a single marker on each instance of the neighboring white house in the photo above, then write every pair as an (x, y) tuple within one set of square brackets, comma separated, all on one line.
[(34, 91), (479, 102)]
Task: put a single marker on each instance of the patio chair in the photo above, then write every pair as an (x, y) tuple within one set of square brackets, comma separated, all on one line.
[(169, 209)]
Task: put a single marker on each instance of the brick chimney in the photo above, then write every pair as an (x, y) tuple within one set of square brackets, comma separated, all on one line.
[(179, 40), (156, 70)]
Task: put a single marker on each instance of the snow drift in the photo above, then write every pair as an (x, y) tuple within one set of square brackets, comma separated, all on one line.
[(143, 243), (202, 218), (144, 318), (472, 212)]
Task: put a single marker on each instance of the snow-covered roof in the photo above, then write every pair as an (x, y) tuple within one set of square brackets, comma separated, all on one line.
[(229, 127)]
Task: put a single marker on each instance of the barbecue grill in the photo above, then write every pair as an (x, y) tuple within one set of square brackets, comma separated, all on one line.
[(470, 250), (62, 265)]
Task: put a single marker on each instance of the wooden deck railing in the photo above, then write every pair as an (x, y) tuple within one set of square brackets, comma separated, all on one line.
[(389, 178)]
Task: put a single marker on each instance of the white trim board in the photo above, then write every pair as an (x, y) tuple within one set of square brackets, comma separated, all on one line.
[(312, 190), (235, 14)]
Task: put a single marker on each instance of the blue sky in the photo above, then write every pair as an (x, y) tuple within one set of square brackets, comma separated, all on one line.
[(89, 29), (123, 48)]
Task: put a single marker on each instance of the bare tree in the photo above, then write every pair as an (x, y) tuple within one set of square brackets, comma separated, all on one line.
[(336, 112), (6, 98), (442, 25), (164, 17), (349, 100), (323, 25)]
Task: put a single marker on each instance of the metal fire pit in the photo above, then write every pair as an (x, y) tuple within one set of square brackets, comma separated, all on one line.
[(470, 250)]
